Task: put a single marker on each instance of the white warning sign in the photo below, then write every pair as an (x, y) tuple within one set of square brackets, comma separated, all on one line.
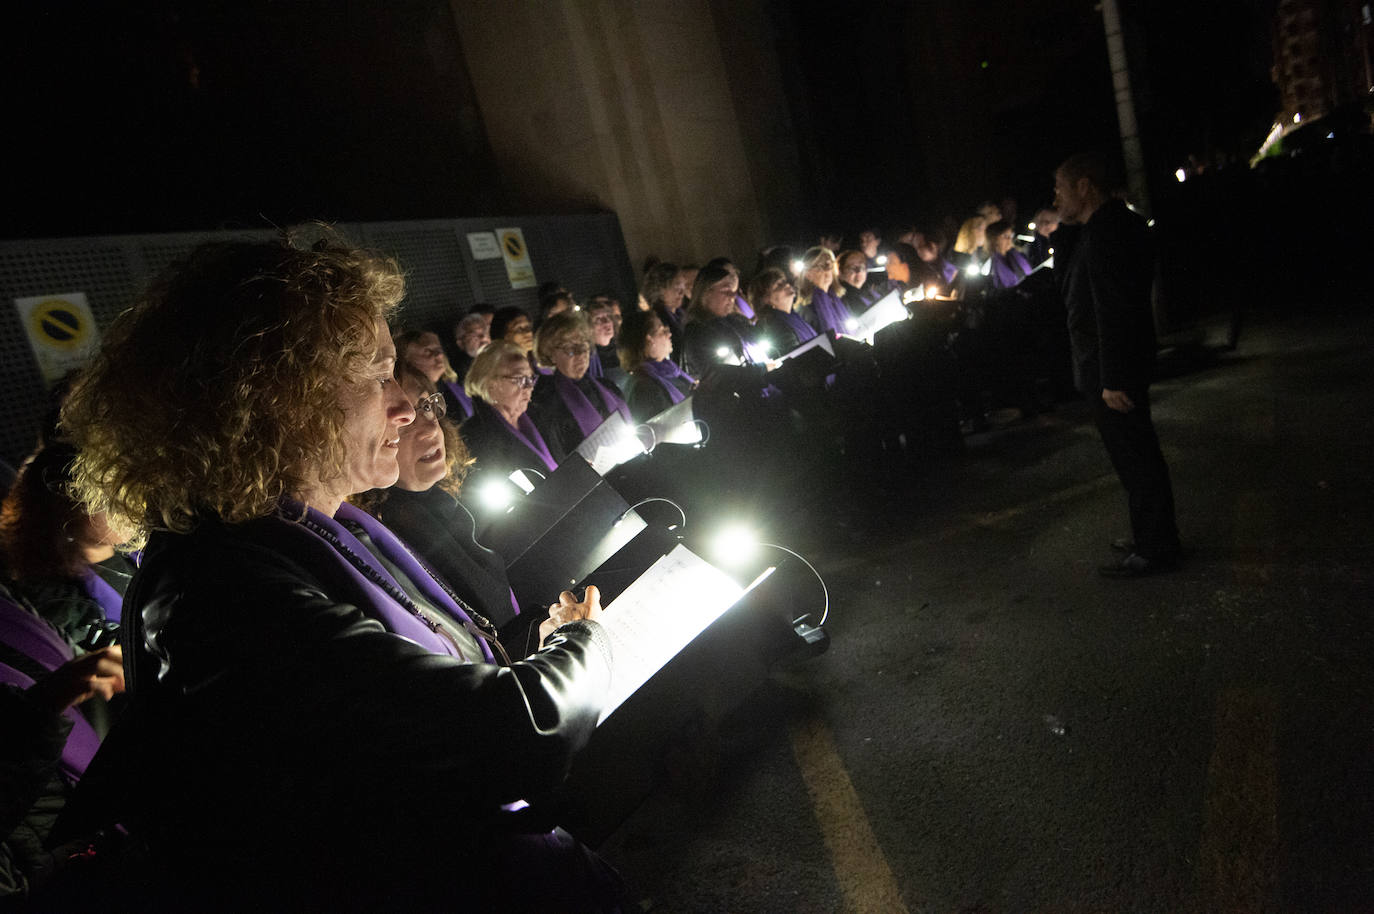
[(61, 330)]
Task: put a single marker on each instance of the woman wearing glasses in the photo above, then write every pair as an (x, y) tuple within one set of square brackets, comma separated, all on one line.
[(312, 710), (422, 508), (500, 435), (568, 404)]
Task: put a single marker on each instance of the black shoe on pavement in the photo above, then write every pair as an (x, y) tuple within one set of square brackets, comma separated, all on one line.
[(1136, 565)]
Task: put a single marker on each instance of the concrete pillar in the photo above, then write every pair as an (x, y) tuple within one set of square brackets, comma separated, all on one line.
[(623, 105)]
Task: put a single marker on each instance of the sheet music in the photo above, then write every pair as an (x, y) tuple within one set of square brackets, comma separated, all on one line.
[(821, 339), (659, 614), (611, 444), (887, 310), (675, 425)]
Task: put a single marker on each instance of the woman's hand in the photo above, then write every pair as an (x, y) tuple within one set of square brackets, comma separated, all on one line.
[(568, 609), (97, 673)]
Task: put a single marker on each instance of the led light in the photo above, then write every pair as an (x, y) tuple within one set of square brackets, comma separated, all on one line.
[(931, 291), (723, 351), (1297, 118), (1031, 226), (496, 495), (1181, 175), (734, 544), (971, 269), (851, 324), (881, 260), (798, 266)]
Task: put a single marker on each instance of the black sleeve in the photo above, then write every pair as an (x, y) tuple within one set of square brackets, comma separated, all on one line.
[(33, 742)]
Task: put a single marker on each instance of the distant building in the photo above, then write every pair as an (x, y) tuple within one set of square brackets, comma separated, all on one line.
[(1322, 58)]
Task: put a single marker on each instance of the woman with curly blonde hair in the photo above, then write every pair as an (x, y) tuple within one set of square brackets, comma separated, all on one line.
[(818, 298), (311, 704)]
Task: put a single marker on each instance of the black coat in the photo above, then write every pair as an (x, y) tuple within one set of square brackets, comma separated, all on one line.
[(647, 398), (442, 533), (495, 450), (1106, 276), (292, 752)]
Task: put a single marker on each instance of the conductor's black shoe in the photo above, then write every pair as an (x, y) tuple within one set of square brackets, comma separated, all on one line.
[(1125, 545), (1136, 565)]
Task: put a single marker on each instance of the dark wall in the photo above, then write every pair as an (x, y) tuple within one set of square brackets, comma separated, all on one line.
[(173, 114)]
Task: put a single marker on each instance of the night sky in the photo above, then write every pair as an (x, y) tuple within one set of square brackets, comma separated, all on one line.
[(179, 115)]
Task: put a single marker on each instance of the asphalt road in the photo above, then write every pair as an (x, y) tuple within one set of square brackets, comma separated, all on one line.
[(997, 728)]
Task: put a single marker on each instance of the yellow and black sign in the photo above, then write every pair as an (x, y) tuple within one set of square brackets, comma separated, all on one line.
[(61, 330), (519, 270)]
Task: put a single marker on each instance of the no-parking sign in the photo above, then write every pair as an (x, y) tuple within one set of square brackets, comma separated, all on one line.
[(61, 330)]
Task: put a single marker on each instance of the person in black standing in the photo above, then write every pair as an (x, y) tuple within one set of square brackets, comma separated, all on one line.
[(1106, 277)]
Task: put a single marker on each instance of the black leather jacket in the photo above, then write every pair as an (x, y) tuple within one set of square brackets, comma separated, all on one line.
[(293, 752)]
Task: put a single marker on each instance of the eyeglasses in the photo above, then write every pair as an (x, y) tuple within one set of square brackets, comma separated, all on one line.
[(660, 331), (431, 407), (573, 350), (521, 381)]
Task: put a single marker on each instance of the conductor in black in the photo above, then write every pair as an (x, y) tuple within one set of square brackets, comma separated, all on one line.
[(1105, 280)]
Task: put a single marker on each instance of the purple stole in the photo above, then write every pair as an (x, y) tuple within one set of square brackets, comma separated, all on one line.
[(948, 270), (377, 600), (587, 416), (1008, 271), (594, 369), (743, 306), (525, 432), (662, 372), (100, 590), (460, 395), (801, 328), (829, 312), (29, 635)]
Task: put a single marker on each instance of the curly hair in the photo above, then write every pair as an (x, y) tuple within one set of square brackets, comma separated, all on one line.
[(218, 392)]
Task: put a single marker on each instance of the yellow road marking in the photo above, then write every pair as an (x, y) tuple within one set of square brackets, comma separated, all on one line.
[(862, 871)]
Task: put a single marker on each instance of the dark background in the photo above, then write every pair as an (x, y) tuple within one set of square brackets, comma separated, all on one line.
[(173, 114)]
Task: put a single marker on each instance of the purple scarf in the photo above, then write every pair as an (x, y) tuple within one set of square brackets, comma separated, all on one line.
[(100, 590), (587, 416), (29, 635), (1008, 271), (663, 372), (743, 306), (524, 431), (829, 312), (801, 328), (948, 270), (594, 369), (297, 522), (460, 395)]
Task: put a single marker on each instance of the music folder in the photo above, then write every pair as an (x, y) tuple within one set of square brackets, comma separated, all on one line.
[(886, 310), (560, 532)]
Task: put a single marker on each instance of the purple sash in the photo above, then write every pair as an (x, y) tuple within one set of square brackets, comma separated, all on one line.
[(372, 598), (587, 416), (743, 306), (31, 636), (665, 370), (460, 395), (948, 270), (100, 590), (1008, 271), (594, 369), (830, 313), (525, 432), (801, 328)]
